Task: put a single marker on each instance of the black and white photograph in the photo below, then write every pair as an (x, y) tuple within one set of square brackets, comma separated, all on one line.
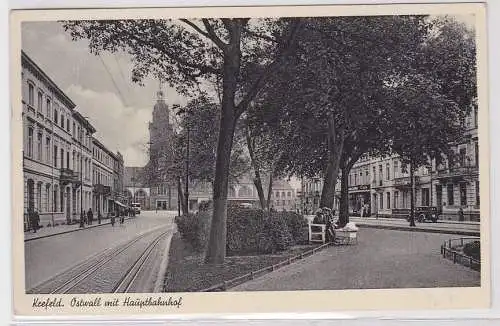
[(166, 154)]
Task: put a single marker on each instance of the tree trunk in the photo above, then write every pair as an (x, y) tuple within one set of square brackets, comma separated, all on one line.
[(182, 201), (216, 251), (257, 180), (344, 197), (412, 197), (270, 188), (335, 148)]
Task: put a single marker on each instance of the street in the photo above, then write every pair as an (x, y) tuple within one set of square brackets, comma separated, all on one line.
[(49, 256), (382, 259)]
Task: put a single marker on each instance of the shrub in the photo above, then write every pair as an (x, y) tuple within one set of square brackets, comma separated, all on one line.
[(297, 225), (250, 231), (473, 249), (194, 229)]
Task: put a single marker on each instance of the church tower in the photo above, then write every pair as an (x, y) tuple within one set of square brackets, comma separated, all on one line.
[(161, 156)]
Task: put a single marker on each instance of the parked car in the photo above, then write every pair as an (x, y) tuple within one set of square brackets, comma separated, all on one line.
[(424, 214), (136, 207)]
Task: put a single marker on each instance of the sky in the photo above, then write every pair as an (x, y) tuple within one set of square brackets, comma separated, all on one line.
[(101, 87)]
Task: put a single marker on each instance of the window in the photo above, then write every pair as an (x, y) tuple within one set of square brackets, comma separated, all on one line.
[(30, 142), (62, 120), (67, 125), (463, 194), (477, 193), (67, 160), (355, 178), (31, 94), (74, 129), (47, 150), (40, 101), (396, 199), (380, 174), (56, 116), (361, 177), (39, 148), (62, 158), (289, 194), (449, 190), (39, 196), (48, 107), (381, 201), (55, 156), (462, 156), (387, 172), (425, 197), (47, 198), (374, 174), (388, 200), (395, 169), (476, 153), (475, 117)]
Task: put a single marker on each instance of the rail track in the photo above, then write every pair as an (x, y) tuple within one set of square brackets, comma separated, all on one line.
[(114, 270)]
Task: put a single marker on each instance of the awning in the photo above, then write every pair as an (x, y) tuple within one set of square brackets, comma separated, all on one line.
[(120, 204)]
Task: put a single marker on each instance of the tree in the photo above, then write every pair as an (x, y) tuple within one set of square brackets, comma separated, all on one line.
[(431, 102), (184, 52), (326, 101)]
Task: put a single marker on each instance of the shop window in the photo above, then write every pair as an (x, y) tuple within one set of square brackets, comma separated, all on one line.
[(396, 199)]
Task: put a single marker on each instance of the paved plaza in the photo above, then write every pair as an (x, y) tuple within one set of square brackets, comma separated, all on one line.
[(381, 259)]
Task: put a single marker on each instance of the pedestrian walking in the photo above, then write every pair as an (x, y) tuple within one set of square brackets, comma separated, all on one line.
[(99, 217), (34, 219), (90, 216), (122, 217), (113, 218)]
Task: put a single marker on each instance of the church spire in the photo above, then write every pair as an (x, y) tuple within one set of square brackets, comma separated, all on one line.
[(160, 95)]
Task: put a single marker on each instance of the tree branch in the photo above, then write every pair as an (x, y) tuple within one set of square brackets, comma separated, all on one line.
[(270, 69), (163, 50), (261, 36), (212, 35)]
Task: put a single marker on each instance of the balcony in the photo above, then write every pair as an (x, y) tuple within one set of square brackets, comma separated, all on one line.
[(404, 182), (457, 172), (69, 176), (101, 189)]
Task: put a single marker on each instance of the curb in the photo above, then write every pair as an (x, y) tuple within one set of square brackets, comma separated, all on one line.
[(417, 229), (160, 277), (222, 287), (69, 231)]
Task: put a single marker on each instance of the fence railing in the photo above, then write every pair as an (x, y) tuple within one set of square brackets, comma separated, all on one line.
[(449, 252)]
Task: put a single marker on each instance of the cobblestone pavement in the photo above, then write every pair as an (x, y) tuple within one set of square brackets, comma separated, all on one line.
[(382, 259), (46, 257)]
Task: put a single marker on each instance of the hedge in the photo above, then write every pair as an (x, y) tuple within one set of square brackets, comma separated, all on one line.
[(249, 231)]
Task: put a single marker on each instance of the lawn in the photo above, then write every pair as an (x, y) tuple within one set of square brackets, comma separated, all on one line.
[(186, 271)]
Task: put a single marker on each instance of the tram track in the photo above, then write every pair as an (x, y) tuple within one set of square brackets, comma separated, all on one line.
[(87, 276)]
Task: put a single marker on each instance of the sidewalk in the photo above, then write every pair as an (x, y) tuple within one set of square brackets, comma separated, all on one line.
[(382, 259), (459, 228), (61, 229)]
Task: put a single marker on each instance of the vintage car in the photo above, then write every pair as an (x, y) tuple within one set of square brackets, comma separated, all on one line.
[(424, 214)]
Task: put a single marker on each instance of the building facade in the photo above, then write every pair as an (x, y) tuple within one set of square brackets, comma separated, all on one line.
[(103, 178), (135, 187), (55, 173)]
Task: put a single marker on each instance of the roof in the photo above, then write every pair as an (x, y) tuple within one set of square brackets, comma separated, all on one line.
[(79, 117)]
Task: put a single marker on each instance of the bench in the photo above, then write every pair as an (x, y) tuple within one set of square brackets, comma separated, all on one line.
[(317, 233)]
